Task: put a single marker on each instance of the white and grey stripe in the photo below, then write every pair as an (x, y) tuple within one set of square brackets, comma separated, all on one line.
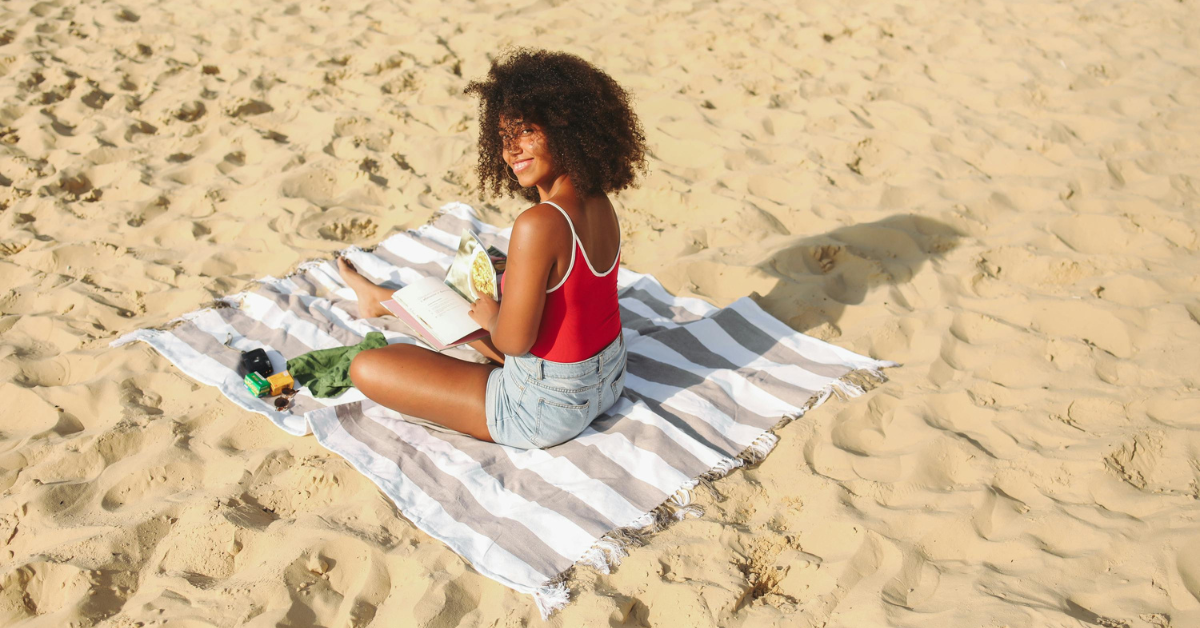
[(703, 384)]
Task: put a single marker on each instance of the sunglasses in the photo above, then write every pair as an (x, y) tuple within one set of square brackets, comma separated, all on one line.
[(284, 399)]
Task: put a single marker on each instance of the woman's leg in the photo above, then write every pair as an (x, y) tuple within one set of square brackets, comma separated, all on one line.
[(415, 381), (489, 350), (425, 384), (369, 294)]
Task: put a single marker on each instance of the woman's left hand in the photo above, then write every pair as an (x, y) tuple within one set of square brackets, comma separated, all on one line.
[(485, 311)]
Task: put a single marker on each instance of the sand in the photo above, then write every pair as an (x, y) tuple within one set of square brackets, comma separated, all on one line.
[(1003, 197)]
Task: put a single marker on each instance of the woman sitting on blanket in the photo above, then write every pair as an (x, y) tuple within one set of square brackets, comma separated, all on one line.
[(557, 131)]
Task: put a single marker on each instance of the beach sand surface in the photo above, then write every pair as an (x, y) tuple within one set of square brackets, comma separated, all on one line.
[(1003, 197)]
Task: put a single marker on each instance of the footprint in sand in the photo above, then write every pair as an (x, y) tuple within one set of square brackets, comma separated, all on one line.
[(343, 582), (11, 247), (1023, 266), (352, 231), (363, 131), (201, 546), (231, 161), (141, 488), (76, 188), (139, 127), (243, 108), (190, 112), (764, 571), (45, 588), (96, 99), (152, 210), (1154, 463), (325, 187), (138, 402), (825, 256)]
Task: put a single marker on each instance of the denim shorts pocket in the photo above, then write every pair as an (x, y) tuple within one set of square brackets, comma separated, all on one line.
[(515, 384), (521, 388), (558, 422), (618, 384)]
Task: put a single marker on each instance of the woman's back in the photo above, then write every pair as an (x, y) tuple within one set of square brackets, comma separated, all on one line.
[(581, 315)]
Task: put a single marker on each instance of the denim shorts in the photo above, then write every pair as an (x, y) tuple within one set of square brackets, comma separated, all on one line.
[(533, 403)]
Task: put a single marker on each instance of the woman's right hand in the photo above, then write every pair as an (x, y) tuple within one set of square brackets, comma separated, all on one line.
[(485, 311)]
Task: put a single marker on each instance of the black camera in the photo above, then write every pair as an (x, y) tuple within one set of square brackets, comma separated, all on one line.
[(255, 361)]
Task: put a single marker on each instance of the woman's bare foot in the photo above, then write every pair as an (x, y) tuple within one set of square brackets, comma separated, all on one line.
[(369, 295)]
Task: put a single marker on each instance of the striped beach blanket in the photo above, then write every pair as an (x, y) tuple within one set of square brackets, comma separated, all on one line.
[(705, 387)]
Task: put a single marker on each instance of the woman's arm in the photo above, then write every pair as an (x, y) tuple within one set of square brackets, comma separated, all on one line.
[(514, 322), (489, 350)]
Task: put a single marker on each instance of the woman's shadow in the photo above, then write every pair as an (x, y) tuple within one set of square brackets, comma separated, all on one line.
[(820, 275)]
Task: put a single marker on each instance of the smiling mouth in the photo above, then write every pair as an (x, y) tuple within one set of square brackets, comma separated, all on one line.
[(521, 165)]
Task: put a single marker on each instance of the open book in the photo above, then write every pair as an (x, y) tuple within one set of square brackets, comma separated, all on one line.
[(438, 310)]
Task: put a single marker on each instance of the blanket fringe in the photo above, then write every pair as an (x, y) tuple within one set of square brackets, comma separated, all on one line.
[(551, 597), (607, 552), (308, 265), (857, 382)]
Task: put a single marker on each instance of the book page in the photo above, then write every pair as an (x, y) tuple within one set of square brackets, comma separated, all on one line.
[(439, 307), (472, 272)]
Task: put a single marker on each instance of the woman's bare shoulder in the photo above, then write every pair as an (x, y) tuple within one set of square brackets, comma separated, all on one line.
[(541, 223)]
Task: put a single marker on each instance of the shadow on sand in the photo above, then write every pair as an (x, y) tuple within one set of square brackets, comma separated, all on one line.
[(819, 276)]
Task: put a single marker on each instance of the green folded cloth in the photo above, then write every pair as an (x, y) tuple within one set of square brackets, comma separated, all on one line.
[(326, 372)]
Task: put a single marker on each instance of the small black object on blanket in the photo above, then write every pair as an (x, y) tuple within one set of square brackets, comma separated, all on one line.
[(255, 361)]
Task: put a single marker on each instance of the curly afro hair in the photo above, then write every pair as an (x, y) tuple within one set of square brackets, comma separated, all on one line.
[(591, 131)]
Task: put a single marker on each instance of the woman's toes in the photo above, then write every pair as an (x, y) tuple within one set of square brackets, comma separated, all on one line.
[(347, 270)]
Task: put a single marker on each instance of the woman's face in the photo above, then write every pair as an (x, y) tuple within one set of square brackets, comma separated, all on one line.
[(525, 151)]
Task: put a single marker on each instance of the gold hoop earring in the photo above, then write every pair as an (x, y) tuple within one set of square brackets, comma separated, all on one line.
[(512, 175)]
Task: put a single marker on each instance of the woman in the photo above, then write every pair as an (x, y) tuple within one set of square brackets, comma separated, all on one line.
[(559, 132)]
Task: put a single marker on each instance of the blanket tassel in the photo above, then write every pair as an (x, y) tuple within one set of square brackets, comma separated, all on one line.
[(684, 506), (856, 383), (551, 597)]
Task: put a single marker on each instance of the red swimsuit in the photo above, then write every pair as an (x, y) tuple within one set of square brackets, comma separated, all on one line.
[(581, 315)]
